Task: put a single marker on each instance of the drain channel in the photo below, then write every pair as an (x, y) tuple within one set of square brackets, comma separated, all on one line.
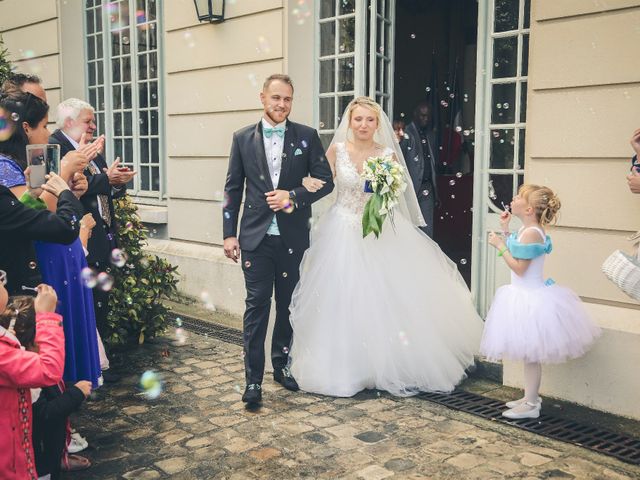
[(608, 443)]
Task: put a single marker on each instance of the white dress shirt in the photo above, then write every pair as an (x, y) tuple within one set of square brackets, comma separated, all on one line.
[(273, 148)]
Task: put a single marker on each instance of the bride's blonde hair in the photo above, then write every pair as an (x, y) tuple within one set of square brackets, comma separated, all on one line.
[(367, 103)]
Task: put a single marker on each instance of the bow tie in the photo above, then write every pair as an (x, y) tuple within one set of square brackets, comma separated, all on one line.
[(268, 132)]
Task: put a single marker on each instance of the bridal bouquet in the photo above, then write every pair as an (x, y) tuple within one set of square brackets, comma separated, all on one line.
[(384, 178)]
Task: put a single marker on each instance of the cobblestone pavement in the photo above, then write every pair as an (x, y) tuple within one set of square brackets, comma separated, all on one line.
[(198, 429)]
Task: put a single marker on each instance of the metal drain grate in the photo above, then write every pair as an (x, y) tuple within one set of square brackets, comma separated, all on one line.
[(213, 330), (615, 445)]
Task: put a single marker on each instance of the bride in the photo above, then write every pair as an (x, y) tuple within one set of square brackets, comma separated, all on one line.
[(391, 313)]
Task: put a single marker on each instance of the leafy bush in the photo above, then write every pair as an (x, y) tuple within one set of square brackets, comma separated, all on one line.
[(5, 65), (135, 308)]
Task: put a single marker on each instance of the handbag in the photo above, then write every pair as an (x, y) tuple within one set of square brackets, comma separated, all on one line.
[(624, 270)]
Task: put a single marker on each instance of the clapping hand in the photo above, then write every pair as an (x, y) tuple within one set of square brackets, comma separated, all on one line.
[(73, 162), (633, 180), (635, 142), (91, 149), (79, 184), (119, 175)]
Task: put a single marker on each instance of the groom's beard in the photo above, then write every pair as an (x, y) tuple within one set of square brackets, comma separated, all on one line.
[(268, 113)]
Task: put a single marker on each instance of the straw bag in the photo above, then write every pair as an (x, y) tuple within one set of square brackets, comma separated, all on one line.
[(624, 270)]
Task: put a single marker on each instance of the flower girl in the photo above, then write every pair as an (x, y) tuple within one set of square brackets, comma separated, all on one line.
[(532, 320)]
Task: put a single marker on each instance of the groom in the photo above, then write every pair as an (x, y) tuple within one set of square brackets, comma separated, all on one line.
[(270, 159)]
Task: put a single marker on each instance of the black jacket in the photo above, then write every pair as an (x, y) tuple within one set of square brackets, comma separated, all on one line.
[(248, 173), (20, 225), (50, 413), (413, 149), (103, 237)]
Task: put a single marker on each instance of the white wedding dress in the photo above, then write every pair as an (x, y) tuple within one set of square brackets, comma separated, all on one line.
[(391, 313)]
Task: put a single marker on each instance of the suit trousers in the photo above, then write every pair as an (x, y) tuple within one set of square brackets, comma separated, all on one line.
[(427, 207), (271, 266)]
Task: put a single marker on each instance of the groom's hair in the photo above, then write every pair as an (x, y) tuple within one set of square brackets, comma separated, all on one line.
[(277, 76)]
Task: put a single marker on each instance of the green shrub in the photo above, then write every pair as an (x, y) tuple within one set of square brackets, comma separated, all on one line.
[(135, 308), (5, 64)]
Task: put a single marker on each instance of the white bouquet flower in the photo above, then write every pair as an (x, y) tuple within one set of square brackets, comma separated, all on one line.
[(385, 179)]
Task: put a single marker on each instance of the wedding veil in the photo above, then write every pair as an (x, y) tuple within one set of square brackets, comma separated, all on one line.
[(385, 136)]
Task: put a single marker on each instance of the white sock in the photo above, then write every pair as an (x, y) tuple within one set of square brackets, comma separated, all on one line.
[(532, 378)]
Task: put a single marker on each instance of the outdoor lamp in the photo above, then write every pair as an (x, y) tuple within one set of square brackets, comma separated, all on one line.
[(210, 10)]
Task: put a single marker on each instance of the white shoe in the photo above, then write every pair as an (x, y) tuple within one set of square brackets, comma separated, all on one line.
[(77, 443), (524, 410), (515, 403)]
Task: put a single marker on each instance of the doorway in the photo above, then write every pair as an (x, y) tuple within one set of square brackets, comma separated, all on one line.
[(435, 61)]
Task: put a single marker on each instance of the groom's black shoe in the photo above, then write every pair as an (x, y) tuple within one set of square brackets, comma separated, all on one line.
[(252, 395), (283, 377)]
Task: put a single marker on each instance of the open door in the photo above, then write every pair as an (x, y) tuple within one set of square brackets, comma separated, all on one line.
[(503, 48)]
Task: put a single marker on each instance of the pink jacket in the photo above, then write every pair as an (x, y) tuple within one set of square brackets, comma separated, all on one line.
[(19, 371)]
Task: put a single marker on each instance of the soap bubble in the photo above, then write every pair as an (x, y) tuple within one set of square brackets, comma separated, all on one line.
[(105, 281), (151, 385), (89, 277), (118, 257)]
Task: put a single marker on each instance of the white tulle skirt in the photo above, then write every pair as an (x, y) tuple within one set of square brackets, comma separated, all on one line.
[(543, 324), (391, 313)]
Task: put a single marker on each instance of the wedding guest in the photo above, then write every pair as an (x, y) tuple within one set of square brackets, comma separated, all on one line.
[(25, 82), (51, 409), (86, 226), (60, 265), (19, 224), (531, 320), (633, 179), (398, 129), (21, 370), (76, 127), (420, 151)]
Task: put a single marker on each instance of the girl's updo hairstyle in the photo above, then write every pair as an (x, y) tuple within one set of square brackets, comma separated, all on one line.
[(545, 203)]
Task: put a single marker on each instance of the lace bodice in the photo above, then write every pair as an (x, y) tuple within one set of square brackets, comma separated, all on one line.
[(350, 186)]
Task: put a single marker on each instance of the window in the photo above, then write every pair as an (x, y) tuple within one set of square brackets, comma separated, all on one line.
[(123, 82), (337, 63), (509, 68)]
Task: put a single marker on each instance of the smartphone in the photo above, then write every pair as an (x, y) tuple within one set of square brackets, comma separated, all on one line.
[(43, 159)]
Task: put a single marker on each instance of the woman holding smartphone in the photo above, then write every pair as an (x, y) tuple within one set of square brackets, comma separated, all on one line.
[(60, 265)]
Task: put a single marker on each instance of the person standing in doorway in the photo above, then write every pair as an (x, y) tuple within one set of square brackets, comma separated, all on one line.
[(268, 161), (419, 149)]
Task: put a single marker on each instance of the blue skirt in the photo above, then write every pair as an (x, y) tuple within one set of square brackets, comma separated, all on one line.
[(61, 267)]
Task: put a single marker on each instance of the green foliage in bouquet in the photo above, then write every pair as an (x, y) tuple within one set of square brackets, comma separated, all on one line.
[(371, 219), (385, 180), (135, 309), (5, 64)]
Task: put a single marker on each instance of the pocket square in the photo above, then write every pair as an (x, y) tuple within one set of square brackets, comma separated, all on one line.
[(297, 152)]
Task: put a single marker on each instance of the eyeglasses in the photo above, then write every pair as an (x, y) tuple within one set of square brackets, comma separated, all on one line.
[(3, 277)]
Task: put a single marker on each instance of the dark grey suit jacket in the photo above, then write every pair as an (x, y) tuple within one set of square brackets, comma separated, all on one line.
[(248, 173), (412, 147)]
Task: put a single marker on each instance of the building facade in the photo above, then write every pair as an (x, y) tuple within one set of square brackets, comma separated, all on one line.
[(528, 90)]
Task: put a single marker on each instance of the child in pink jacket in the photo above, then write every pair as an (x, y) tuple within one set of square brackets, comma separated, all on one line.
[(21, 370)]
